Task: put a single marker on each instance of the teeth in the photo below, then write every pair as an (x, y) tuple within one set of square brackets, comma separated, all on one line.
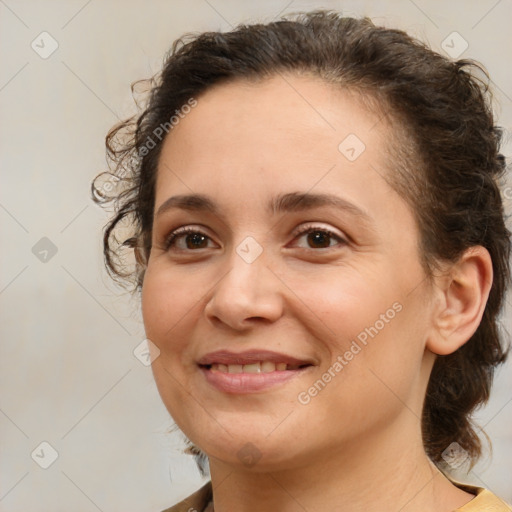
[(268, 366), (252, 368), (259, 367)]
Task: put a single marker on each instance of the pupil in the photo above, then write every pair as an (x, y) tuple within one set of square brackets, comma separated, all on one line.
[(318, 239), (195, 241)]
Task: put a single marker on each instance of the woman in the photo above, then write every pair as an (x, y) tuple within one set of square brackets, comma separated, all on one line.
[(322, 257)]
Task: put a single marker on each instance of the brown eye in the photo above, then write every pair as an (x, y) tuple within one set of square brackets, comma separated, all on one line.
[(188, 239), (315, 237), (319, 239), (196, 241)]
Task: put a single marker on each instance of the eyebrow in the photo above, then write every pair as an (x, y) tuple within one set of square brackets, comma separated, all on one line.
[(283, 203)]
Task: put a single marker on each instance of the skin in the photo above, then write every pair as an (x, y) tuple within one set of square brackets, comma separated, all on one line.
[(358, 441)]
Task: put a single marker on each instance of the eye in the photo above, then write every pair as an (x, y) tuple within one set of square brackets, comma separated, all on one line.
[(188, 238), (317, 237)]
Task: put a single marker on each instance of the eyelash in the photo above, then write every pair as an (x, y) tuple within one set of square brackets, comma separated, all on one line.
[(171, 239)]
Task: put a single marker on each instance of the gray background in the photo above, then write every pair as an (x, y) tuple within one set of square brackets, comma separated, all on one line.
[(68, 375)]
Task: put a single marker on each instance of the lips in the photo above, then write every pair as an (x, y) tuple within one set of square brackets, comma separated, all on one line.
[(252, 371), (250, 357)]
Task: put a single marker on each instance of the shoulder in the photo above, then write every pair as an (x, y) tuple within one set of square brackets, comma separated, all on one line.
[(196, 502), (484, 500)]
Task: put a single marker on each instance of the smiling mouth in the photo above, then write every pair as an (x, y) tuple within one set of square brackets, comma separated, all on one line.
[(255, 367), (251, 371)]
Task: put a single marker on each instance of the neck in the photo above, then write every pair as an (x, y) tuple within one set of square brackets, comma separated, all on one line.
[(376, 475)]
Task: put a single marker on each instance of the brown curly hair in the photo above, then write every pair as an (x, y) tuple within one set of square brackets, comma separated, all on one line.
[(448, 165)]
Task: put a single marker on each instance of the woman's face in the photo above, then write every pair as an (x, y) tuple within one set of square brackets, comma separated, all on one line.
[(284, 288)]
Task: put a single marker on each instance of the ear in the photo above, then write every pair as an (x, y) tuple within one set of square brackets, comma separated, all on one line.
[(141, 263), (139, 245), (140, 256), (461, 295)]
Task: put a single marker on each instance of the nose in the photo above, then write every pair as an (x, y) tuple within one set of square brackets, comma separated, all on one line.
[(248, 294)]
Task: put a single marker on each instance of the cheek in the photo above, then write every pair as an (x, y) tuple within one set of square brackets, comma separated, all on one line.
[(168, 309), (377, 362), (344, 304), (167, 299), (369, 330)]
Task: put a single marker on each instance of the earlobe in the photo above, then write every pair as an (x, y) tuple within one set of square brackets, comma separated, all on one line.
[(462, 296)]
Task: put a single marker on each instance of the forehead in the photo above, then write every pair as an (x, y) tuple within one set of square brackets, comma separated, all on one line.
[(300, 103), (285, 123)]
